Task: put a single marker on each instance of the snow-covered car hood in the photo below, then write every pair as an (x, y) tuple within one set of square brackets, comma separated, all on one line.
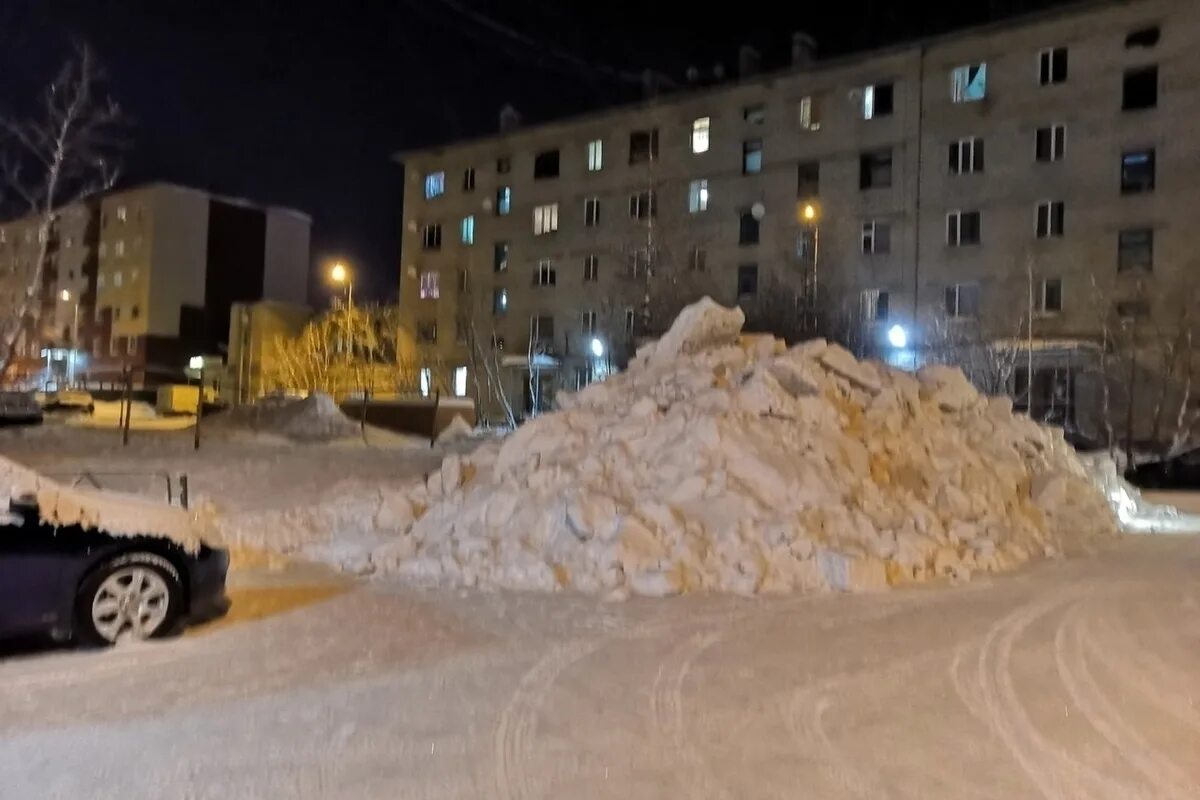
[(114, 513)]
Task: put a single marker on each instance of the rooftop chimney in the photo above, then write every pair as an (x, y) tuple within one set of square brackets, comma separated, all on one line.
[(749, 60), (510, 118), (804, 50)]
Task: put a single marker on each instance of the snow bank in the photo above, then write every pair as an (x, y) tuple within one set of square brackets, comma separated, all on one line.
[(112, 512), (315, 418), (458, 429), (1134, 513)]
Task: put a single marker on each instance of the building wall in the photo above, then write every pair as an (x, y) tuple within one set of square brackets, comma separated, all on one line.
[(253, 331), (287, 250), (920, 264)]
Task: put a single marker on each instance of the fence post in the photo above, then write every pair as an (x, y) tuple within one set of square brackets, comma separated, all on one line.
[(127, 406)]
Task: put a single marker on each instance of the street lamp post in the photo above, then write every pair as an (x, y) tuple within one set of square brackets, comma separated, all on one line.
[(339, 273), (809, 214), (66, 298)]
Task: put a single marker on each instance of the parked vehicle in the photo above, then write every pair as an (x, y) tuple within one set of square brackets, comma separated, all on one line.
[(19, 408), (92, 587)]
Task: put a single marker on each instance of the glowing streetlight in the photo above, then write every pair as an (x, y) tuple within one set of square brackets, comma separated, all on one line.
[(597, 348), (809, 212), (65, 296), (897, 337), (339, 273)]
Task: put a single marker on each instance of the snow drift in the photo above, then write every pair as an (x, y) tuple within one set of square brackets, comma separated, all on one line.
[(315, 418)]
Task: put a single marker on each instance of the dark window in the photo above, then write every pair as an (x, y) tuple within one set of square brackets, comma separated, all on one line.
[(1137, 171), (427, 331), (541, 329), (431, 237), (752, 156), (546, 274), (1050, 143), (963, 228), (755, 114), (545, 165), (881, 306), (1052, 67), (747, 280), (503, 165), (747, 228), (1050, 218), (966, 155), (1140, 89), (1143, 37), (808, 179), (500, 257), (1135, 249), (591, 269), (1052, 295), (1132, 308), (135, 312), (962, 300), (591, 212), (875, 169), (642, 205), (697, 259), (469, 179), (464, 281), (503, 201), (882, 101), (643, 146)]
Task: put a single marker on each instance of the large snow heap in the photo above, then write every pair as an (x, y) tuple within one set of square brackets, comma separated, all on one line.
[(315, 418), (728, 462)]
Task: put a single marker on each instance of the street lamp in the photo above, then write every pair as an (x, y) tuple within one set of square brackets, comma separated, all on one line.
[(597, 348), (65, 296), (808, 214), (897, 337), (339, 273)]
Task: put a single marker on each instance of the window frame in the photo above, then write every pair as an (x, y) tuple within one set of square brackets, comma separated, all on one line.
[(545, 219), (1050, 230), (701, 137), (1047, 75), (962, 80), (595, 155), (435, 184), (698, 196)]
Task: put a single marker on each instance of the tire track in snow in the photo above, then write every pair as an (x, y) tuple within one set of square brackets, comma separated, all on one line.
[(1164, 776)]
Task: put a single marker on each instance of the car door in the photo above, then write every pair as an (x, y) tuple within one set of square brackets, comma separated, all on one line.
[(30, 573)]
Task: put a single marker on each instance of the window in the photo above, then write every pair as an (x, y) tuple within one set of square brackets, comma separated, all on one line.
[(968, 83), (700, 133), (591, 268), (503, 165), (966, 156), (464, 281), (546, 274), (503, 201), (435, 185), (1052, 66), (468, 229), (460, 381), (595, 155), (641, 262), (1143, 37), (755, 114), (500, 257), (962, 300), (809, 114), (1135, 250), (877, 100), (752, 156), (114, 346), (1140, 89), (747, 227), (642, 205), (119, 248), (806, 245), (431, 237), (1050, 219), (747, 280), (100, 281), (874, 305), (499, 302), (697, 259), (808, 179), (630, 318), (541, 328), (1050, 143), (135, 312), (698, 196), (545, 165), (469, 179), (591, 212), (963, 228), (587, 323), (1050, 297), (1137, 171), (429, 285), (545, 219), (426, 381), (875, 169), (131, 345), (122, 213), (427, 331), (876, 237), (117, 279), (643, 146)]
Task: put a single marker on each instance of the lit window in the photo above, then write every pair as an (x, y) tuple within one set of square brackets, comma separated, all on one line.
[(121, 213), (1052, 66), (430, 288), (1050, 143), (503, 201), (595, 155), (426, 381), (700, 133), (545, 219), (966, 156), (876, 237), (435, 185), (468, 229), (431, 237), (698, 196), (119, 247), (962, 300), (809, 114), (874, 305), (591, 269), (968, 83), (587, 323), (499, 302), (1050, 216), (642, 205), (460, 381), (591, 212), (963, 228), (877, 100), (1137, 171), (1135, 249), (1051, 299), (752, 156), (117, 280), (546, 274)]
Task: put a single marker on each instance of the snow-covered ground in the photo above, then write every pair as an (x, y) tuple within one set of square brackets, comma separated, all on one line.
[(1071, 679)]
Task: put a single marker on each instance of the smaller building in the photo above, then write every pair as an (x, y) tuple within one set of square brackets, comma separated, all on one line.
[(254, 329)]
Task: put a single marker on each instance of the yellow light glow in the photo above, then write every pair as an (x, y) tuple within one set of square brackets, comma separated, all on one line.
[(338, 273), (65, 295), (809, 212)]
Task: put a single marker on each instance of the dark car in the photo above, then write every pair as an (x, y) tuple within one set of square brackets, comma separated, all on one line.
[(92, 587)]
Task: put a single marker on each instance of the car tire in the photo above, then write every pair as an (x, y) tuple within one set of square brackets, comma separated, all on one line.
[(136, 595)]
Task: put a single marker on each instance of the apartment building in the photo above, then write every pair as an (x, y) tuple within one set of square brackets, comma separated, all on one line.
[(1030, 179), (144, 278)]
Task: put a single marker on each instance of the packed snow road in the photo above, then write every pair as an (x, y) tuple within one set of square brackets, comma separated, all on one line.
[(1069, 679)]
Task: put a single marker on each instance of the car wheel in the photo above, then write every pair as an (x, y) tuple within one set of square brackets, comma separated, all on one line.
[(133, 596)]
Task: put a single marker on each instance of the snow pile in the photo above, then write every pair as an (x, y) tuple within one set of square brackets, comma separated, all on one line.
[(315, 418), (732, 463), (458, 429), (1134, 513)]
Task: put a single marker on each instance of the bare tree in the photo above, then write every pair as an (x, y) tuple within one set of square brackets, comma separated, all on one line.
[(63, 154)]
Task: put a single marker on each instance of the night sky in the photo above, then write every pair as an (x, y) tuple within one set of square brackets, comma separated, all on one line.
[(301, 104)]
